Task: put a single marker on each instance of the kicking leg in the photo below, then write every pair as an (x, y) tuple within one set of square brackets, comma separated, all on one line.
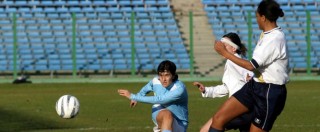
[(254, 128), (242, 122), (228, 111), (205, 127), (165, 119)]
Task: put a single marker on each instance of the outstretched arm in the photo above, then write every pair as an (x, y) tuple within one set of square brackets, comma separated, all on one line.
[(124, 93), (166, 98), (127, 94), (212, 92), (216, 91), (146, 89)]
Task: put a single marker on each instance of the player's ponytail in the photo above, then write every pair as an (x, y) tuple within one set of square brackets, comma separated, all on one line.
[(242, 50)]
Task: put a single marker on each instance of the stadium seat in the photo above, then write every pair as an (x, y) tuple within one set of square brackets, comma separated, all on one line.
[(102, 27), (293, 23)]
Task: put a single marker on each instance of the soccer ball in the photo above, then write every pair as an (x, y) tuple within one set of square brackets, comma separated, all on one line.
[(67, 106)]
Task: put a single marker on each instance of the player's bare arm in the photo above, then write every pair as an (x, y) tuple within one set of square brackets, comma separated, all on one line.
[(220, 48)]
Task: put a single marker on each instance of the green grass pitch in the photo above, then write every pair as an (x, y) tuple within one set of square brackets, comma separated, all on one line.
[(31, 107)]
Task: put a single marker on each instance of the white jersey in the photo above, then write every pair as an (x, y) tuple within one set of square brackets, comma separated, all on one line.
[(270, 58), (233, 79)]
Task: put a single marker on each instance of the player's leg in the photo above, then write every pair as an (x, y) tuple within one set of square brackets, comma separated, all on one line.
[(165, 119), (239, 103), (242, 122), (254, 128), (270, 100), (160, 112), (156, 108), (205, 127), (177, 126), (156, 129), (228, 111)]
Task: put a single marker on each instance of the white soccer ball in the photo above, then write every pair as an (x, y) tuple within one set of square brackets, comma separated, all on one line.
[(67, 106)]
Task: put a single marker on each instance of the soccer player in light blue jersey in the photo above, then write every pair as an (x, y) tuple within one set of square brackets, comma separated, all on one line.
[(170, 99)]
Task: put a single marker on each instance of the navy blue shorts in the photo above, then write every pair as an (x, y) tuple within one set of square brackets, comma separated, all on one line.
[(242, 122), (265, 100)]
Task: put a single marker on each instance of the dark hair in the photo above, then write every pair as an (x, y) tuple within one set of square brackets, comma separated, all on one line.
[(236, 39), (270, 9), (167, 65)]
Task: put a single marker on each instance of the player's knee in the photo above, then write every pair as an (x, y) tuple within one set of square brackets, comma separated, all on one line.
[(164, 118), (166, 114), (218, 119)]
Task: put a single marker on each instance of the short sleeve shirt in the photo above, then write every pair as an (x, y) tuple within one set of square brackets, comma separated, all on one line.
[(270, 58)]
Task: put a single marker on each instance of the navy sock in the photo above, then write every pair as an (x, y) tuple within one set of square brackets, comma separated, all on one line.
[(215, 130)]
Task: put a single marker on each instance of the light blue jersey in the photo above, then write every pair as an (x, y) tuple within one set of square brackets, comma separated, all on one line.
[(173, 98)]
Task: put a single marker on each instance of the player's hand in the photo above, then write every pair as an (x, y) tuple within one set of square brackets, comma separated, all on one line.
[(124, 92), (220, 47), (200, 86), (133, 103), (248, 77)]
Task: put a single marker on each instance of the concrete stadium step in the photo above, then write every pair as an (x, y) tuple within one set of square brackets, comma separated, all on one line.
[(207, 61)]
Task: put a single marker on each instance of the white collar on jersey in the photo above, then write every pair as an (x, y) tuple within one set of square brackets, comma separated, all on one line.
[(277, 28)]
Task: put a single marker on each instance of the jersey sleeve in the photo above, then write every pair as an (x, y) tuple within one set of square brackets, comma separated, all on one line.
[(216, 91), (165, 98), (146, 89)]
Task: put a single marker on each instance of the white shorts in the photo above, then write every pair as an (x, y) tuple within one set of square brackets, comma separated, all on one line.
[(176, 126)]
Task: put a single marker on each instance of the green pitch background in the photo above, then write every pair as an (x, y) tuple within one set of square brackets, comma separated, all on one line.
[(31, 107)]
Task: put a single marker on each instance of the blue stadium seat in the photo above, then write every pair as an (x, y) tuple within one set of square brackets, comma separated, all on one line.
[(150, 40), (103, 27), (94, 67), (38, 52), (40, 67), (64, 11), (99, 2), (33, 3), (23, 68), (150, 2), (49, 9)]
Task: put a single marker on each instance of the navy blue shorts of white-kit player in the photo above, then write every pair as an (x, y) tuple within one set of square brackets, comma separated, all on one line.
[(265, 100)]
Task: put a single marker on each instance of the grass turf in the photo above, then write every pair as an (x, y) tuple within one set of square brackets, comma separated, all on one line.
[(31, 107)]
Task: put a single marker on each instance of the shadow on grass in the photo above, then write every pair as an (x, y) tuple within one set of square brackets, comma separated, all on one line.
[(19, 121)]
